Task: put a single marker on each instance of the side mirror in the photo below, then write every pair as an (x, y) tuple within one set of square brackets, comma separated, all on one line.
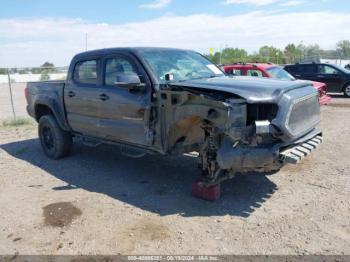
[(129, 80)]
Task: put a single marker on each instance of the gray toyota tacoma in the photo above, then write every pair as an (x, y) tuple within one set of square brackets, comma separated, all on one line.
[(171, 101)]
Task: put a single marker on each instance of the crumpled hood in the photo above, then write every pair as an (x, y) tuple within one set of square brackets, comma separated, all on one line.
[(253, 89)]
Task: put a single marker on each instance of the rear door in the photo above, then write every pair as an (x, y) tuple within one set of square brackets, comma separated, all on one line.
[(306, 72), (81, 96), (331, 76), (124, 113)]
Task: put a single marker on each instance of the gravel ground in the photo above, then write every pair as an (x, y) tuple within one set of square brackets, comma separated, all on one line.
[(98, 201)]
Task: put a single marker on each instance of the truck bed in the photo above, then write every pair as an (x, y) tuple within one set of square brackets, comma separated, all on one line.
[(48, 93)]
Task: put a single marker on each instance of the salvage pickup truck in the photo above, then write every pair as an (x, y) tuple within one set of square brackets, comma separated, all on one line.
[(171, 101)]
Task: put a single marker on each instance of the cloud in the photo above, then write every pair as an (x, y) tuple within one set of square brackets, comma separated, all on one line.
[(292, 3), (251, 2), (30, 42), (157, 4)]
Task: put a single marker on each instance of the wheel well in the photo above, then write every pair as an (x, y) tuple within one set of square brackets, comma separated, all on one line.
[(41, 110), (345, 85), (188, 133)]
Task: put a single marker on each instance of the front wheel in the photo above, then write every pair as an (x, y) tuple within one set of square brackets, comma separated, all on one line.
[(347, 90), (56, 143)]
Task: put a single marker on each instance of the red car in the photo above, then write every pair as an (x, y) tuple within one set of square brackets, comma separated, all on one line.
[(273, 71)]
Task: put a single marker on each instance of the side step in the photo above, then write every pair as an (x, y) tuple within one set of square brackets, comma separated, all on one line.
[(132, 152), (125, 149), (91, 142), (295, 154)]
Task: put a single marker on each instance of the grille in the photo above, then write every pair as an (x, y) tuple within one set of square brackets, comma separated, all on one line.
[(304, 114)]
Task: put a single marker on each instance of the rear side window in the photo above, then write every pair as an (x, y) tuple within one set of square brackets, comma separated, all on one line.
[(234, 72), (85, 72), (309, 69), (290, 69), (255, 73), (305, 69)]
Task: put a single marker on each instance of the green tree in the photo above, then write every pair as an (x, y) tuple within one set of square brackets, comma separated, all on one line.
[(313, 53), (292, 54), (23, 71), (256, 58), (47, 66), (229, 56), (343, 48), (272, 54), (233, 55), (214, 58), (45, 75)]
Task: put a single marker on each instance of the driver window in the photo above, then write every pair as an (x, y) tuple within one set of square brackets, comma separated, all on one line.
[(115, 66), (327, 70)]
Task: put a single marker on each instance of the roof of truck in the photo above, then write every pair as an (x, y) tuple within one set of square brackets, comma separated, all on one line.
[(118, 49)]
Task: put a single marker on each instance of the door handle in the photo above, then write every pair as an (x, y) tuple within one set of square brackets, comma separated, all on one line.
[(104, 97), (71, 94)]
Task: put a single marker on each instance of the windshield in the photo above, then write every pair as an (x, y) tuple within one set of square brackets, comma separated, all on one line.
[(342, 69), (279, 73), (179, 65)]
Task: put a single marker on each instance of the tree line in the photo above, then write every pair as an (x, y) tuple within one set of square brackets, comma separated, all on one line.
[(292, 53), (46, 68)]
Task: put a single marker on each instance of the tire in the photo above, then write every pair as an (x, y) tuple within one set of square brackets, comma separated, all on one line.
[(347, 90), (55, 142)]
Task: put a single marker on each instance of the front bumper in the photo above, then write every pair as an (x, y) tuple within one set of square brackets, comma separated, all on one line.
[(324, 100), (266, 158), (296, 153)]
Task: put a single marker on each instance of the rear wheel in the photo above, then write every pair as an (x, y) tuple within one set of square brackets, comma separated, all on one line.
[(56, 143), (347, 90)]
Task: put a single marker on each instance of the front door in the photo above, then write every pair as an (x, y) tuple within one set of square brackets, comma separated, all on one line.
[(124, 112), (330, 76)]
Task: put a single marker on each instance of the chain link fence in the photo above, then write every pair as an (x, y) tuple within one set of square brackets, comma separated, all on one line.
[(326, 59), (13, 82)]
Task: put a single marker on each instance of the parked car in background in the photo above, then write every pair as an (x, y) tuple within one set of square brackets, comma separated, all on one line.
[(336, 77), (273, 71)]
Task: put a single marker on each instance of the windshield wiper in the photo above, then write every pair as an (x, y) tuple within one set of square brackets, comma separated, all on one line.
[(197, 78)]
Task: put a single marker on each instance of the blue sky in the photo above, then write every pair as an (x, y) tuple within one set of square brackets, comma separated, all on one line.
[(32, 32), (118, 11)]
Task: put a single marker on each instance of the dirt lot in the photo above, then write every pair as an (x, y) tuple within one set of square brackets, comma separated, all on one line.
[(98, 201)]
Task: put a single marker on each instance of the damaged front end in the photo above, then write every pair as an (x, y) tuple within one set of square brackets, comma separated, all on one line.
[(232, 135)]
